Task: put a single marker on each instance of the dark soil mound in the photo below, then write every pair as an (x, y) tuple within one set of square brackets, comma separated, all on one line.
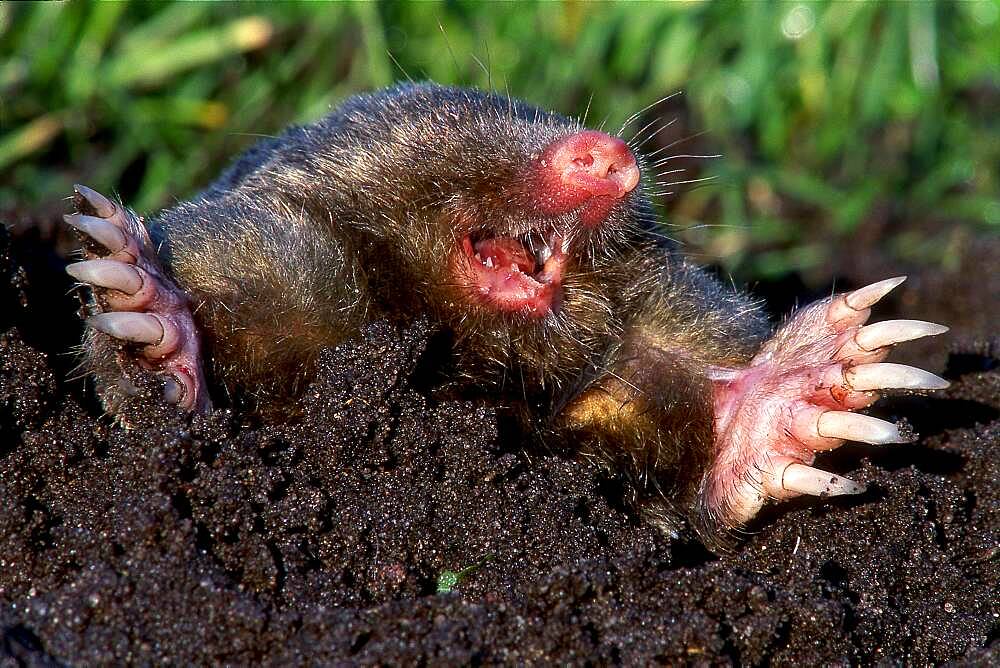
[(389, 527)]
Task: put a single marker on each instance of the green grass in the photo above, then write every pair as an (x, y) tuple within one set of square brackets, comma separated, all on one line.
[(829, 116)]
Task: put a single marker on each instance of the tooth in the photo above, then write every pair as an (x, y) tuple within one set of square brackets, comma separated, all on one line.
[(99, 230), (881, 334), (807, 480), (135, 327), (107, 274), (865, 297), (855, 427), (892, 376), (514, 267), (104, 207), (489, 262)]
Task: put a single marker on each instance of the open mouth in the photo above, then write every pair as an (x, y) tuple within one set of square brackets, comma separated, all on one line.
[(515, 274)]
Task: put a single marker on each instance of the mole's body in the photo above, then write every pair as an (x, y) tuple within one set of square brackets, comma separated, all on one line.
[(529, 238)]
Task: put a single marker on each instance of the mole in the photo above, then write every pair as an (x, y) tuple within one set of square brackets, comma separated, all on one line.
[(532, 241)]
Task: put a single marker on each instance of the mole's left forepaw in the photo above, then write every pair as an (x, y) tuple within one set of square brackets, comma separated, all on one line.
[(140, 307), (796, 398)]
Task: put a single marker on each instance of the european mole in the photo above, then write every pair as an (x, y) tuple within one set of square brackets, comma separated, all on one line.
[(530, 239)]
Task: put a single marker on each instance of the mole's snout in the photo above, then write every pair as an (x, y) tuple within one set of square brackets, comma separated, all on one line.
[(594, 163), (587, 170)]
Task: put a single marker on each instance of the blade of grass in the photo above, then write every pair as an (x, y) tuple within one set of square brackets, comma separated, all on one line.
[(188, 52), (97, 31), (30, 138)]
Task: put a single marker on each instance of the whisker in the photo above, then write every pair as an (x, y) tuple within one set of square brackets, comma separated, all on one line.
[(687, 155), (672, 171), (675, 143), (399, 65), (665, 126), (639, 133), (680, 183), (583, 122), (483, 67), (649, 106)]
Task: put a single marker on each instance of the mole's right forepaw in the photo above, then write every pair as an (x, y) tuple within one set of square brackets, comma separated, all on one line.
[(797, 397), (139, 306)]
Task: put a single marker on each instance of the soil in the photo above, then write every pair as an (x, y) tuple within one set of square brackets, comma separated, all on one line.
[(391, 527)]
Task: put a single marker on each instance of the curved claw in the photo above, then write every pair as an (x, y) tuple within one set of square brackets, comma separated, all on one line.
[(802, 479), (892, 376), (98, 229), (869, 295), (852, 308), (107, 274), (104, 207), (857, 427), (134, 327), (881, 334)]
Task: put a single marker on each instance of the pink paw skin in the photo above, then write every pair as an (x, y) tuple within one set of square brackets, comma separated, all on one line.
[(140, 307), (796, 398)]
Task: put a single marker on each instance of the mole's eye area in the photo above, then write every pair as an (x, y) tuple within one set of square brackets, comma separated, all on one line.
[(585, 168)]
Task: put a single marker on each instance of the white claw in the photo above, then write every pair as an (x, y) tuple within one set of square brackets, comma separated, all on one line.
[(104, 207), (892, 376), (804, 479), (107, 274), (856, 427), (135, 327), (98, 229), (881, 334), (865, 297)]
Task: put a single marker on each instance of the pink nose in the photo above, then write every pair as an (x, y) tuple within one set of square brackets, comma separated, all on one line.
[(587, 172), (594, 164)]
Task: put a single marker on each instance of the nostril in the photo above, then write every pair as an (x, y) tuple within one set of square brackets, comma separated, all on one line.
[(625, 173), (594, 164)]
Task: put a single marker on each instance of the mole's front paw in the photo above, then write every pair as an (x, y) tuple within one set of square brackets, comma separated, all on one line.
[(139, 306), (796, 398)]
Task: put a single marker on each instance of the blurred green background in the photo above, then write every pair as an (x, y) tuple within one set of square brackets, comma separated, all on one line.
[(838, 123)]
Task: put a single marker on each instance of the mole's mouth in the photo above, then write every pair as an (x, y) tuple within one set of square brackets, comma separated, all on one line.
[(519, 274)]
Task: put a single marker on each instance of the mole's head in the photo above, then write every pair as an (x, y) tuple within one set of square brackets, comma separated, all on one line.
[(560, 198), (509, 222)]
